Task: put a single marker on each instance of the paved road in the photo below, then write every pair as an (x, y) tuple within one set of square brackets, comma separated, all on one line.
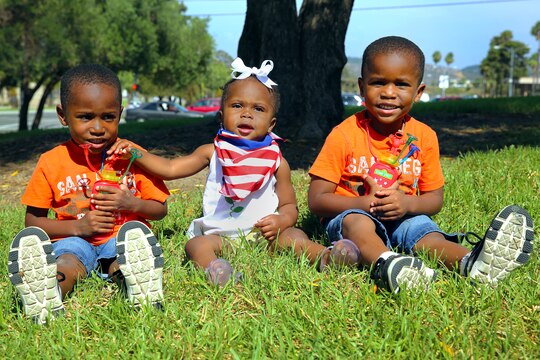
[(9, 120)]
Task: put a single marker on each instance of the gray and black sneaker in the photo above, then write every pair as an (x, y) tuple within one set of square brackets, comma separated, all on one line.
[(507, 245), (32, 270), (402, 272), (141, 262)]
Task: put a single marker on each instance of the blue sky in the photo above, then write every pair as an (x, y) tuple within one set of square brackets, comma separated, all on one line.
[(463, 27)]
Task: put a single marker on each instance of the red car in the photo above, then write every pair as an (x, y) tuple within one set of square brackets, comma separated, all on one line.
[(206, 105)]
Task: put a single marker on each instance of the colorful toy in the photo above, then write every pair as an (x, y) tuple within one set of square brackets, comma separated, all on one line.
[(385, 170), (107, 176)]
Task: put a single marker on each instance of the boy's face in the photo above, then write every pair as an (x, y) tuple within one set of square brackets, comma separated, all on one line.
[(390, 87), (248, 110), (92, 115)]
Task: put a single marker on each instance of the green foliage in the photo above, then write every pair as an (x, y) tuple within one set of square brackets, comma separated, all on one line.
[(504, 53), (152, 39), (436, 57), (285, 308)]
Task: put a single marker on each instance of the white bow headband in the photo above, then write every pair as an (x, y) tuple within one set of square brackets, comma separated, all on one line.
[(243, 71)]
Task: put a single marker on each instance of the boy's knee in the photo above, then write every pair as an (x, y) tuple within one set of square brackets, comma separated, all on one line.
[(355, 222), (69, 267)]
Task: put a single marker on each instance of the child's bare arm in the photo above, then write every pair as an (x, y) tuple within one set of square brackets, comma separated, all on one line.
[(323, 202), (167, 169), (287, 215), (93, 223)]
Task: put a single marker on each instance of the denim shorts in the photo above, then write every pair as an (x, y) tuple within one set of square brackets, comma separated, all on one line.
[(87, 253), (400, 235)]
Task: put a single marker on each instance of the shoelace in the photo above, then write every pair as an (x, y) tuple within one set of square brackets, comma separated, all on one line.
[(476, 248)]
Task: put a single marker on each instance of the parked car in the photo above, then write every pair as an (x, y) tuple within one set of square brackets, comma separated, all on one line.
[(350, 99), (206, 105), (160, 110)]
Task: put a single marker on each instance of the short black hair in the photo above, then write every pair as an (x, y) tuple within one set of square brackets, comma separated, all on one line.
[(273, 91), (392, 45), (88, 74)]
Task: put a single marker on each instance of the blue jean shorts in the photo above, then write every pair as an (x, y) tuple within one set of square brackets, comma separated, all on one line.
[(400, 235), (87, 253)]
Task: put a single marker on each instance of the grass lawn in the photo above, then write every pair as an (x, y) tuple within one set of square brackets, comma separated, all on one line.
[(285, 308)]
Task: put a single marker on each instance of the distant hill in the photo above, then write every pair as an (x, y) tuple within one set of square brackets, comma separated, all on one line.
[(431, 74)]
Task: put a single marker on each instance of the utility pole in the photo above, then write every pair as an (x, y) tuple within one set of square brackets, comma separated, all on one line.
[(511, 77)]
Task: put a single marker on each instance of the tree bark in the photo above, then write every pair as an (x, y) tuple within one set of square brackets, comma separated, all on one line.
[(46, 92), (308, 51)]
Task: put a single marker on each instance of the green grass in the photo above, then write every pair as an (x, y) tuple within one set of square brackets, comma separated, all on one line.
[(286, 309)]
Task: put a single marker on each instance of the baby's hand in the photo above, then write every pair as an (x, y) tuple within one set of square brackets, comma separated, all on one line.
[(270, 226), (121, 148)]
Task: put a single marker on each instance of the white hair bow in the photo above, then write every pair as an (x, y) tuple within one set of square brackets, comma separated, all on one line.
[(243, 71)]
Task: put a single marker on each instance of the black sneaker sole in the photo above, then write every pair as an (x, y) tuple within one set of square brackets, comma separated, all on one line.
[(507, 245), (32, 270), (141, 262), (407, 272)]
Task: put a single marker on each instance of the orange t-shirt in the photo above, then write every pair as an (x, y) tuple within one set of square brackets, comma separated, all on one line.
[(345, 157), (56, 184)]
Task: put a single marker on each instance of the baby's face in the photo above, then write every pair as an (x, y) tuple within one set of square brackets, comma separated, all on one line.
[(248, 110), (390, 87), (92, 115)]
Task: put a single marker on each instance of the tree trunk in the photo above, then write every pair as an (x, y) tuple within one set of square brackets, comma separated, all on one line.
[(308, 53), (323, 27), (271, 32), (46, 92), (27, 93)]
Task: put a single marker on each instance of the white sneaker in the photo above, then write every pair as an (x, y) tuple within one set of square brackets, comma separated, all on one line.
[(402, 271), (507, 245), (32, 270), (141, 262)]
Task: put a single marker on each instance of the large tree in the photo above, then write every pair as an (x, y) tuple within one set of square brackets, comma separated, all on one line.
[(152, 38), (308, 50), (506, 57)]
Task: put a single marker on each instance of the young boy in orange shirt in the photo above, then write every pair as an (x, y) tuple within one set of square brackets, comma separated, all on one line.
[(90, 228), (377, 181)]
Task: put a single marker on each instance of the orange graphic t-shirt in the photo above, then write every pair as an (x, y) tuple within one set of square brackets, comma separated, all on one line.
[(346, 157), (59, 180)]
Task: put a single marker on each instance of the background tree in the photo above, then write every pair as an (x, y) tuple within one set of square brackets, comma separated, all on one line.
[(449, 59), (496, 66), (308, 50), (151, 38), (436, 57)]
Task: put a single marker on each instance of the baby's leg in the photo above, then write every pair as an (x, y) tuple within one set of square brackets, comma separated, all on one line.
[(202, 250), (297, 240)]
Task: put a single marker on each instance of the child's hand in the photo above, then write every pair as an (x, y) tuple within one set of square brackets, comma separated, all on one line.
[(390, 204), (270, 226), (96, 222), (121, 148), (112, 199)]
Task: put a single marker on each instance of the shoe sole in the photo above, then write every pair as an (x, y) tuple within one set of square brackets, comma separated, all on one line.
[(32, 270), (141, 262), (409, 273), (508, 244)]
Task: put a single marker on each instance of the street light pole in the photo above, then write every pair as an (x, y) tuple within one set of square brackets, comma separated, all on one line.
[(511, 77)]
